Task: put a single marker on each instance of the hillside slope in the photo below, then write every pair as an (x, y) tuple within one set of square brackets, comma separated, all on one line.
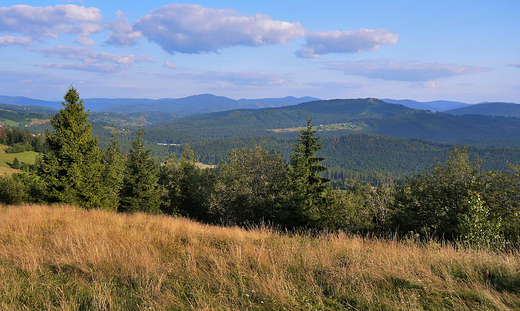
[(64, 258), (490, 109)]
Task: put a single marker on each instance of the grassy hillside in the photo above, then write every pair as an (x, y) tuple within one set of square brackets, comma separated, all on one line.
[(6, 159), (63, 258)]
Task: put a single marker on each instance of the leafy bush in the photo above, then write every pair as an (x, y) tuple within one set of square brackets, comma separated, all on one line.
[(252, 186)]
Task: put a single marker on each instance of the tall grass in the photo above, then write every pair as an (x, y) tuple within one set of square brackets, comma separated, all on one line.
[(65, 258)]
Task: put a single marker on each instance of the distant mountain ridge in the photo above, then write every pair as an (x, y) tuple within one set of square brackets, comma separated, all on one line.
[(191, 105), (489, 109), (437, 105)]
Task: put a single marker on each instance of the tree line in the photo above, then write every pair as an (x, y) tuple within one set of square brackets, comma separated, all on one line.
[(453, 199)]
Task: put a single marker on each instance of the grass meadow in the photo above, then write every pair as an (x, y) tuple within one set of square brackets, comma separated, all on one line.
[(6, 160), (65, 258)]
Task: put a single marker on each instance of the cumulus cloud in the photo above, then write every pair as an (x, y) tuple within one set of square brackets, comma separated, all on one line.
[(169, 65), (517, 65), (241, 79), (121, 32), (8, 41), (404, 71), (193, 29), (44, 22), (92, 60), (353, 41), (85, 41)]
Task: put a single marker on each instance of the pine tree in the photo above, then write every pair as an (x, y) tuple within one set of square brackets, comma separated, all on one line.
[(140, 191), (114, 171), (16, 163), (308, 185), (71, 167)]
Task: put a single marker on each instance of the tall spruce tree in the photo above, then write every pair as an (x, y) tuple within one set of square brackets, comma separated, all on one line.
[(114, 171), (71, 167), (308, 185), (140, 191)]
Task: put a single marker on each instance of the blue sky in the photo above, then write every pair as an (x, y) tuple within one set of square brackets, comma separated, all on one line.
[(423, 50)]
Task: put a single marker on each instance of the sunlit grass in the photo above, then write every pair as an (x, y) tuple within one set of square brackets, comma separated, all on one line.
[(65, 258), (6, 160)]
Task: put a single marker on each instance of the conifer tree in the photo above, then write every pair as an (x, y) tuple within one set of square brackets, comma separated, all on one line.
[(308, 185), (71, 167), (114, 172), (140, 191), (16, 163)]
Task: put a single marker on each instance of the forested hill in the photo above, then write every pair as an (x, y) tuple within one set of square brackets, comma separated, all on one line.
[(253, 122), (345, 116), (360, 155), (490, 109)]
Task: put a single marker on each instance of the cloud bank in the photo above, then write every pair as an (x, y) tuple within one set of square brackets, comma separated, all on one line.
[(240, 79), (91, 60), (50, 22), (401, 71), (354, 41)]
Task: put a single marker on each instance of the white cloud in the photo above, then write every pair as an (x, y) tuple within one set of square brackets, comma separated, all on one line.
[(338, 85), (405, 71), (92, 60), (430, 85), (517, 65), (169, 65), (85, 41), (241, 79), (188, 28), (353, 41), (100, 68), (121, 32), (42, 22), (8, 41)]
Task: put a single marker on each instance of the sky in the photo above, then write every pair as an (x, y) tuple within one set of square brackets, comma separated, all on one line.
[(458, 50)]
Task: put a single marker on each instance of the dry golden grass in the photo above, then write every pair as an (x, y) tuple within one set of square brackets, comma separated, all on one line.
[(65, 258)]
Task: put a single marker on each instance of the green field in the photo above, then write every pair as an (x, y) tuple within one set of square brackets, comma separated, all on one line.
[(6, 159)]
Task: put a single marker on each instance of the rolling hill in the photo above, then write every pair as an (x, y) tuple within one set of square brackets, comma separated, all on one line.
[(369, 115), (489, 109)]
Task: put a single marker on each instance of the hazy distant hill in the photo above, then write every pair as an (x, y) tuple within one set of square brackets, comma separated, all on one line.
[(438, 105), (490, 109), (275, 102), (28, 109), (21, 100), (191, 105)]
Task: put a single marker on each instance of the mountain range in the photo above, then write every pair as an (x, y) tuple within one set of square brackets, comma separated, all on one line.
[(204, 103)]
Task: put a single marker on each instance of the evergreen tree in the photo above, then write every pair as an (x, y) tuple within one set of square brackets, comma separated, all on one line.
[(309, 186), (114, 171), (140, 191), (71, 167), (16, 163), (187, 187)]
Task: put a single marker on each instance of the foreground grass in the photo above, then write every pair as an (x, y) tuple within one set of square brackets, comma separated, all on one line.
[(64, 258)]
